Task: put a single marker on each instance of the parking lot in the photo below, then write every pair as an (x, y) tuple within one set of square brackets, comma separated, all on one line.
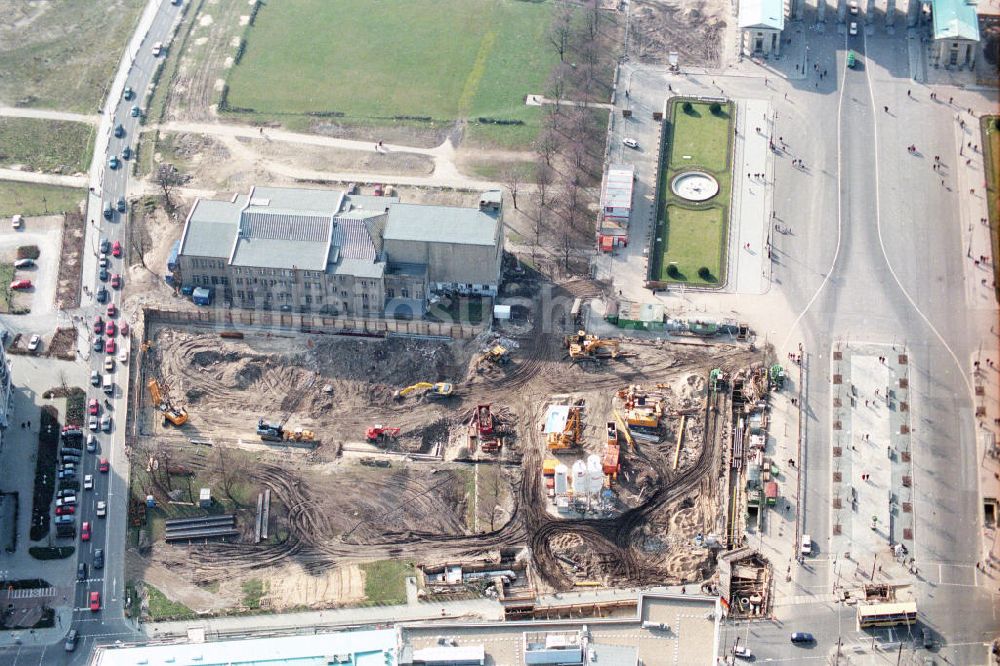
[(46, 233)]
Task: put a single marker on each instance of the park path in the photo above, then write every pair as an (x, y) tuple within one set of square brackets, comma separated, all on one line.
[(43, 178), (47, 114), (539, 100)]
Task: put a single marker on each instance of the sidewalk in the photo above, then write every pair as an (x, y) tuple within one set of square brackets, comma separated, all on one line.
[(751, 216)]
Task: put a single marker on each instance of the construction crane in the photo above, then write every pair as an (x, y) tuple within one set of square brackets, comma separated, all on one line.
[(160, 393), (570, 434), (438, 390), (381, 433), (276, 432), (591, 347)]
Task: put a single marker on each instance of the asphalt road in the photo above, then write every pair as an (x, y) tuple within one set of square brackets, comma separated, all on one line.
[(107, 625)]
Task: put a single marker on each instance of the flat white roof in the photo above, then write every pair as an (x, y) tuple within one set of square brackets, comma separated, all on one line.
[(618, 186), (376, 647)]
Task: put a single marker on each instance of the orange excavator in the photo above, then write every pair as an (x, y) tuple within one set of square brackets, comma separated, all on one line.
[(380, 434)]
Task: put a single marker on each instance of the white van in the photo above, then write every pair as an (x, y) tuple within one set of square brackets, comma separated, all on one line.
[(109, 384), (157, 49)]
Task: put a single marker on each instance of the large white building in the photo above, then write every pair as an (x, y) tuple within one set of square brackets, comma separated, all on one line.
[(616, 206)]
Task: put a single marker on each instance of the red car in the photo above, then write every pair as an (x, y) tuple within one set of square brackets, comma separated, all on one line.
[(124, 329), (109, 330), (95, 601), (109, 347), (65, 510), (112, 310), (104, 466), (93, 407), (20, 284), (116, 249), (98, 324), (85, 531), (116, 281)]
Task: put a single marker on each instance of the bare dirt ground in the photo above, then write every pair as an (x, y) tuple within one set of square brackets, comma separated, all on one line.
[(329, 510), (693, 29)]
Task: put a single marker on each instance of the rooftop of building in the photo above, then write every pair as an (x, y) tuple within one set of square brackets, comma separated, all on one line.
[(441, 224), (955, 19), (768, 14)]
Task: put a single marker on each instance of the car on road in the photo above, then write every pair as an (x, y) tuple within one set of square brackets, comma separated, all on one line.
[(110, 329), (123, 354), (99, 558), (102, 509), (853, 29), (123, 329), (630, 142), (98, 324), (98, 344), (92, 423), (113, 163), (103, 274), (807, 545), (81, 571), (135, 112), (105, 245), (106, 424), (85, 531), (27, 262), (104, 261), (109, 364), (802, 637), (70, 643), (116, 281), (102, 296), (20, 284), (119, 131), (742, 652), (112, 310), (116, 248), (927, 638), (126, 155), (91, 442), (121, 205), (93, 407), (109, 347), (34, 342), (17, 221), (108, 212), (128, 93), (157, 49), (95, 601), (852, 7), (88, 482), (104, 466), (65, 510)]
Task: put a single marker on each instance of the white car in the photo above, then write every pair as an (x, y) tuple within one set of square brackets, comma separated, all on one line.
[(92, 423), (17, 222), (109, 364), (102, 509), (807, 544), (123, 356), (630, 142), (88, 482), (852, 7), (742, 652), (853, 29), (34, 342)]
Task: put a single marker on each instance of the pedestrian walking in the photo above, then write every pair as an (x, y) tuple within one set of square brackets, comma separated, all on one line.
[(950, 100), (886, 109), (908, 94)]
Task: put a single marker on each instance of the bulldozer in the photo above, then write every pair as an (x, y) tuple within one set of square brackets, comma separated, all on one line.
[(160, 393), (276, 432), (438, 390), (497, 355), (379, 433)]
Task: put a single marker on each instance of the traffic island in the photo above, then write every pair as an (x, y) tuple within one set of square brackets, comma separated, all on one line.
[(691, 230)]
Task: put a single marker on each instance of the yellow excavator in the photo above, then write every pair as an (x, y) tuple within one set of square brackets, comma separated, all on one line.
[(582, 346), (497, 354), (570, 434), (438, 390), (160, 393)]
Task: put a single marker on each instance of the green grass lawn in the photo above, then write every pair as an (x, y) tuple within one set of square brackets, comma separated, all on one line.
[(693, 235), (35, 199), (161, 608), (991, 148), (443, 59), (385, 581), (62, 55), (53, 146), (6, 276)]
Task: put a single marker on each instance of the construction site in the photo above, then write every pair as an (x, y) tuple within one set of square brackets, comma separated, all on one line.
[(501, 466)]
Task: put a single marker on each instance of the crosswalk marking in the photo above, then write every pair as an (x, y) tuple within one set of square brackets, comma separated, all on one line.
[(33, 593)]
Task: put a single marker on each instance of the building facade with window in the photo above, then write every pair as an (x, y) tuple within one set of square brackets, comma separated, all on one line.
[(328, 251)]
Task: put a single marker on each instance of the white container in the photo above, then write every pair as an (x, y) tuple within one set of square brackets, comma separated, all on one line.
[(501, 312), (595, 473), (562, 479), (580, 484)]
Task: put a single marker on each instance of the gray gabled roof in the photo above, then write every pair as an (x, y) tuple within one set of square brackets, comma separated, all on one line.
[(441, 224), (211, 228)]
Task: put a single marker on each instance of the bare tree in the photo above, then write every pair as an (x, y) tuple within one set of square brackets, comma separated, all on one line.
[(561, 30), (547, 145), (558, 81), (140, 241), (168, 177), (512, 179), (543, 178), (593, 18)]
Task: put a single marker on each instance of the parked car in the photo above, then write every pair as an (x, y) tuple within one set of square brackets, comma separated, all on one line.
[(630, 142), (17, 222), (64, 520), (88, 482), (99, 558), (927, 637), (108, 211), (66, 474), (104, 261), (123, 354), (126, 155), (104, 466), (102, 509), (110, 328), (853, 29), (65, 510), (109, 364), (18, 285), (102, 295), (852, 7), (92, 406), (807, 545), (92, 423), (34, 342), (112, 310), (123, 329), (64, 493), (103, 274), (135, 112), (157, 49), (98, 344), (105, 245), (113, 162), (106, 424), (116, 249), (116, 281), (802, 637), (27, 262), (121, 200), (742, 652), (95, 601), (119, 131), (109, 346), (66, 501), (98, 324), (91, 442)]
